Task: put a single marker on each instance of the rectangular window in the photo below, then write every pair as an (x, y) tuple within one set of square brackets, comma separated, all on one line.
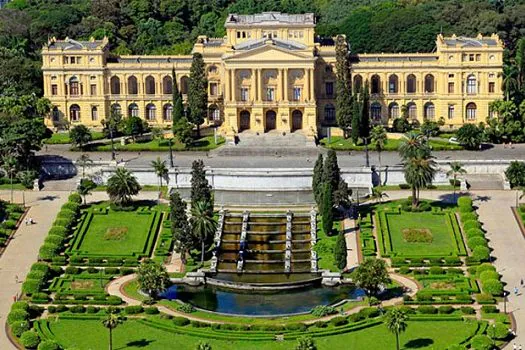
[(94, 113), (478, 57), (296, 93), (213, 89), (244, 94), (74, 89), (65, 60), (72, 60), (471, 57), (471, 114), (54, 89), (451, 112), (93, 89), (238, 35), (270, 94), (451, 76), (329, 87), (450, 88), (492, 87)]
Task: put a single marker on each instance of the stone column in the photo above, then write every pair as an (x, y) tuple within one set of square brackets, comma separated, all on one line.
[(259, 84), (227, 94), (232, 85), (253, 89), (286, 84), (312, 84), (306, 95)]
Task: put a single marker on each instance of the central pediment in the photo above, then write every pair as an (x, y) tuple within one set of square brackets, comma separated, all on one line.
[(269, 52)]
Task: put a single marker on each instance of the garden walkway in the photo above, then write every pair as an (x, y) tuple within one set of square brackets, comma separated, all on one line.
[(352, 251), (22, 250)]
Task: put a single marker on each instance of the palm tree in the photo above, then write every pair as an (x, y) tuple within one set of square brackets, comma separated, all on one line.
[(379, 139), (510, 80), (413, 145), (84, 161), (378, 194), (419, 173), (85, 187), (456, 168), (111, 322), (161, 170), (395, 321), (121, 186), (9, 167), (202, 223)]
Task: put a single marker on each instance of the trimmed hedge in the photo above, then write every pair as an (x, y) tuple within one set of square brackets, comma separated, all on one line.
[(30, 339)]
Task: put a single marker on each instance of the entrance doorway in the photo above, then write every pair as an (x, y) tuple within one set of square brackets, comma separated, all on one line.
[(271, 119), (297, 120), (244, 121)]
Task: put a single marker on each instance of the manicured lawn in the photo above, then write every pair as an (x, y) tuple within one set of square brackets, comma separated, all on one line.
[(204, 144), (63, 137), (340, 144), (133, 334), (325, 246), (442, 243)]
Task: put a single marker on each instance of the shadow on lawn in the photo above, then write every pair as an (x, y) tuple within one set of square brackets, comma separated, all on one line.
[(142, 343), (419, 343)]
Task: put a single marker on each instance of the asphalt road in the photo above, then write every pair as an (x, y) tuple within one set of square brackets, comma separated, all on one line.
[(250, 157)]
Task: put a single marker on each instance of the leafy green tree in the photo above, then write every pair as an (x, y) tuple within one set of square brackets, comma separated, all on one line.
[(379, 140), (26, 178), (430, 128), (111, 321), (327, 208), (111, 125), (134, 126), (510, 81), (157, 134), (202, 223), (183, 130), (371, 275), (356, 118), (161, 170), (84, 161), (401, 125), (331, 171), (198, 91), (305, 343), (364, 123), (80, 135), (122, 186), (470, 136), (9, 165), (340, 251), (396, 322), (152, 278), (515, 174), (178, 106), (85, 188), (342, 195), (520, 60), (456, 168), (343, 84), (200, 188), (180, 227), (317, 179), (419, 173)]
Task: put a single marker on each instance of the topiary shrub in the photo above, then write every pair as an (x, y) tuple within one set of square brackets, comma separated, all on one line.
[(475, 232), (481, 342), (338, 321), (489, 309), (31, 286), (481, 253), (436, 270), (66, 214), (75, 198), (30, 339), (58, 231), (71, 206), (466, 216), (186, 308), (77, 309), (464, 202), (181, 321), (62, 222), (445, 309), (92, 309), (72, 270), (20, 305), (468, 310), (48, 345), (493, 287), (48, 251), (152, 310), (19, 327), (468, 225), (484, 267), (488, 275), (427, 310), (323, 310), (498, 330), (476, 242), (133, 309), (54, 240)]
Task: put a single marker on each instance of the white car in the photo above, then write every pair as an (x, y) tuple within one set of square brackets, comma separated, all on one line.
[(453, 140)]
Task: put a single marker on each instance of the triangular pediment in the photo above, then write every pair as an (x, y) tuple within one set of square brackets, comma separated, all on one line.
[(269, 52)]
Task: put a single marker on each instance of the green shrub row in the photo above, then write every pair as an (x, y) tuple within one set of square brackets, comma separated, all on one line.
[(416, 261)]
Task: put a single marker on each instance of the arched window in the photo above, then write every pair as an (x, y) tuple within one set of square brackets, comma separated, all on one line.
[(150, 85), (376, 84), (358, 83), (94, 113), (150, 111), (115, 85), (167, 85), (429, 83), (212, 70), (56, 114), (184, 85), (393, 110), (471, 84), (393, 84), (167, 112), (115, 108), (412, 110), (430, 111), (471, 111), (133, 86), (74, 86), (214, 114), (411, 84), (133, 110), (329, 113), (74, 113), (375, 111)]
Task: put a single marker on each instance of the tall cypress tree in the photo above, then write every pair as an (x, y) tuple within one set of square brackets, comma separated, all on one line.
[(198, 91), (180, 228), (343, 85), (364, 125), (178, 107), (340, 251), (200, 188), (317, 179), (356, 117), (327, 208), (331, 171)]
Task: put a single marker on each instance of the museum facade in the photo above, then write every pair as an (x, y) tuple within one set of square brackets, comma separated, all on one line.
[(270, 72)]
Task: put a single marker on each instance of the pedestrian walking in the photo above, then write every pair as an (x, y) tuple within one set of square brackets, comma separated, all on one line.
[(519, 347), (516, 290), (514, 346)]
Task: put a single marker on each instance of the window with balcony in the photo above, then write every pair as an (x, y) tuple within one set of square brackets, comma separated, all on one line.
[(74, 113), (74, 86), (270, 94), (151, 111), (451, 111), (296, 93), (245, 95), (393, 83), (393, 110), (471, 111), (167, 112), (471, 84)]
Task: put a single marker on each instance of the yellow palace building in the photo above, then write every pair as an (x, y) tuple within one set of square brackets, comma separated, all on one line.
[(270, 72)]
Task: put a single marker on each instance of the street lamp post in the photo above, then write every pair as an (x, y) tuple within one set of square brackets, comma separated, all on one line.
[(171, 152), (366, 152)]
